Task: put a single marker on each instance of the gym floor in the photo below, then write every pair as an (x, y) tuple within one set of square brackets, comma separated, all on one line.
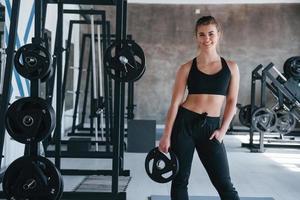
[(274, 173)]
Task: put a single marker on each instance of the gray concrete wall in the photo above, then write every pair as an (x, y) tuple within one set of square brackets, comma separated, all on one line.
[(253, 35)]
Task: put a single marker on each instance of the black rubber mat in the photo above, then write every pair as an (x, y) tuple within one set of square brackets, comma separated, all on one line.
[(101, 184), (159, 197)]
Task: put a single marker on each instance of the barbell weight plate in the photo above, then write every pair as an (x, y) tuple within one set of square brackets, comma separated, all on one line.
[(245, 115), (291, 67), (139, 57), (161, 167), (264, 119), (128, 65), (32, 61), (286, 121), (48, 76), (33, 123), (32, 177)]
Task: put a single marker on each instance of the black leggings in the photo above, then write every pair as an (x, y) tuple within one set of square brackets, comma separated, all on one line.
[(192, 130)]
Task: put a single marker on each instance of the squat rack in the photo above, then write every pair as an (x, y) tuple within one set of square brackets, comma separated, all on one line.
[(119, 88)]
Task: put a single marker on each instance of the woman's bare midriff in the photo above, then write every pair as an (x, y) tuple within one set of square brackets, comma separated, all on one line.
[(200, 103)]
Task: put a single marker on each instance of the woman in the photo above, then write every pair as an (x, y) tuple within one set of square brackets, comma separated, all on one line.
[(194, 123)]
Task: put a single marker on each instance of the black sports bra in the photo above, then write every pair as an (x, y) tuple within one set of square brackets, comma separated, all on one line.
[(201, 83)]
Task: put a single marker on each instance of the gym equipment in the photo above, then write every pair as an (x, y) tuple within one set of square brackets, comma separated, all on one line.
[(293, 86), (141, 135), (101, 92), (286, 121), (161, 167), (79, 144), (32, 61), (285, 89), (33, 178), (94, 78), (245, 115), (116, 113), (48, 75), (128, 65), (264, 120), (30, 119), (291, 67)]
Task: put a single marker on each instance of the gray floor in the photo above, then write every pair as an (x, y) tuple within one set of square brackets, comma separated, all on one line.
[(275, 173), (160, 197)]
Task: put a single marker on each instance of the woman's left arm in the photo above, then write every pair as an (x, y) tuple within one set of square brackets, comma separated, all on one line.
[(231, 101)]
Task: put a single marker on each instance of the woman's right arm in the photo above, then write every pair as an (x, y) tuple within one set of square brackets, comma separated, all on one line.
[(177, 98)]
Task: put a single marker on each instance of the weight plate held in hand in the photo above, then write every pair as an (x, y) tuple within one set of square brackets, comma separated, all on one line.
[(30, 119), (161, 167), (32, 61), (34, 178)]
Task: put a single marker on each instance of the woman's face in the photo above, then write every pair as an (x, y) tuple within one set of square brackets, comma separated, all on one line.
[(207, 36)]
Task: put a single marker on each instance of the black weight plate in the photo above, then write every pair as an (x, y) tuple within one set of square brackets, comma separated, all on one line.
[(291, 67), (245, 115), (161, 167), (48, 76), (286, 121), (139, 57), (264, 120), (33, 123), (32, 61), (142, 73), (33, 178), (61, 188), (128, 65)]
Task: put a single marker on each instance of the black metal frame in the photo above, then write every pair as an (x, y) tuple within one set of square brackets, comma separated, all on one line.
[(283, 97), (31, 149), (8, 69), (118, 123), (85, 2), (108, 97), (106, 89)]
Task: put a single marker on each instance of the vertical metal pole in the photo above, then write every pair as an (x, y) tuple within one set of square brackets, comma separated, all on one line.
[(50, 82), (262, 104), (14, 18), (117, 102), (100, 79), (67, 59), (33, 148), (86, 91), (252, 102), (130, 101), (58, 85), (44, 14), (110, 91), (122, 96), (130, 96), (95, 81), (77, 93), (108, 112), (91, 93)]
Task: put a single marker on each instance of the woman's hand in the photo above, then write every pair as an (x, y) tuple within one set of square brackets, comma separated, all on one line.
[(164, 144), (218, 134)]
